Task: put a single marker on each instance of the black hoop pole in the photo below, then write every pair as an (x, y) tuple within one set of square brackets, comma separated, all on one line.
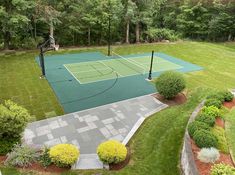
[(42, 62), (44, 48), (151, 66)]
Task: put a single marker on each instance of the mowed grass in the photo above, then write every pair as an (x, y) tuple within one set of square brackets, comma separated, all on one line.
[(20, 82), (157, 144)]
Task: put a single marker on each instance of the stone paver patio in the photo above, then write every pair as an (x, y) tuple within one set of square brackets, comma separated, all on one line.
[(87, 129)]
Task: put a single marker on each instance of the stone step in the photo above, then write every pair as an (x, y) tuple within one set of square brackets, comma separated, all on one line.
[(88, 161)]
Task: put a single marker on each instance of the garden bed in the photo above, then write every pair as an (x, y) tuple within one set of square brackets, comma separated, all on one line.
[(177, 100), (208, 145), (204, 168), (122, 164), (50, 169), (38, 167), (230, 104)]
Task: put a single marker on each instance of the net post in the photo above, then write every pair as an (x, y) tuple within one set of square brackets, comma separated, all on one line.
[(109, 33), (151, 66)]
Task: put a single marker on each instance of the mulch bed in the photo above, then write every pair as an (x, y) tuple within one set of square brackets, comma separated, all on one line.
[(230, 104), (219, 122), (204, 168), (122, 164), (39, 168), (50, 169), (177, 100)]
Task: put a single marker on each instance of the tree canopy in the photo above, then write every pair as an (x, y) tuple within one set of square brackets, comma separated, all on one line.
[(24, 23)]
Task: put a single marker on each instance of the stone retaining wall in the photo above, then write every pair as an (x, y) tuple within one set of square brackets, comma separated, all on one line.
[(188, 166)]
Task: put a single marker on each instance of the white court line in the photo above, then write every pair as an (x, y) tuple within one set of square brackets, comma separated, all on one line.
[(88, 71), (72, 74), (120, 75), (112, 69)]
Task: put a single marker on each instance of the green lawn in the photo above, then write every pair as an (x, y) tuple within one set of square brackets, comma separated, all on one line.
[(19, 81), (156, 146)]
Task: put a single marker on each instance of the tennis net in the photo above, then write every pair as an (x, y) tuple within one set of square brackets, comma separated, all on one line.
[(129, 63)]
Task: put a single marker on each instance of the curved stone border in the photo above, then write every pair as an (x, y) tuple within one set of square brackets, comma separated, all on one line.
[(188, 165)]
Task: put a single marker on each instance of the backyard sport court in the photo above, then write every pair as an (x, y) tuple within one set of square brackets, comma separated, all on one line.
[(86, 80)]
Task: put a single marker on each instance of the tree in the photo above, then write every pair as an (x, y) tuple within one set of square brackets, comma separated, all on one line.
[(222, 25), (193, 20), (45, 13), (129, 12), (13, 18)]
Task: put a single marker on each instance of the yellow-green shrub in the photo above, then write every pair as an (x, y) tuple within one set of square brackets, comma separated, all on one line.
[(64, 155), (112, 151), (222, 141)]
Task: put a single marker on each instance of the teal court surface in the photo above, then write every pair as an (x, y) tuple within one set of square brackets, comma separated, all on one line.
[(85, 80)]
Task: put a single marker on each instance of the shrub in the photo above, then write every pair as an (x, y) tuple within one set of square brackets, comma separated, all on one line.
[(195, 126), (222, 141), (222, 169), (222, 96), (64, 155), (13, 120), (21, 155), (209, 120), (228, 96), (44, 158), (170, 83), (6, 145), (210, 111), (213, 102), (112, 152), (156, 34), (208, 155), (205, 139), (216, 95)]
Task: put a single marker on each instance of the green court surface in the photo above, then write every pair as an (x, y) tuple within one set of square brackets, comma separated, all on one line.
[(86, 80), (92, 71)]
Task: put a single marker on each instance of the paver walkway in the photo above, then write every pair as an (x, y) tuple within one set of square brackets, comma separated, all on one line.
[(87, 129)]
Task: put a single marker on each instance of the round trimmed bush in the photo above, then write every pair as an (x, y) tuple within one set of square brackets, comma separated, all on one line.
[(64, 155), (210, 111), (222, 169), (213, 102), (170, 83), (209, 120), (112, 151), (195, 126), (205, 139), (13, 120), (228, 96)]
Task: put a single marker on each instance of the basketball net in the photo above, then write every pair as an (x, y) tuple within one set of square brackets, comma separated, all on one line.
[(52, 43)]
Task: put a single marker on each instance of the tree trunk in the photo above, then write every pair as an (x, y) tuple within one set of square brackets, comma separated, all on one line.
[(7, 37), (51, 29), (137, 32), (35, 29), (127, 31), (89, 36), (229, 37)]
